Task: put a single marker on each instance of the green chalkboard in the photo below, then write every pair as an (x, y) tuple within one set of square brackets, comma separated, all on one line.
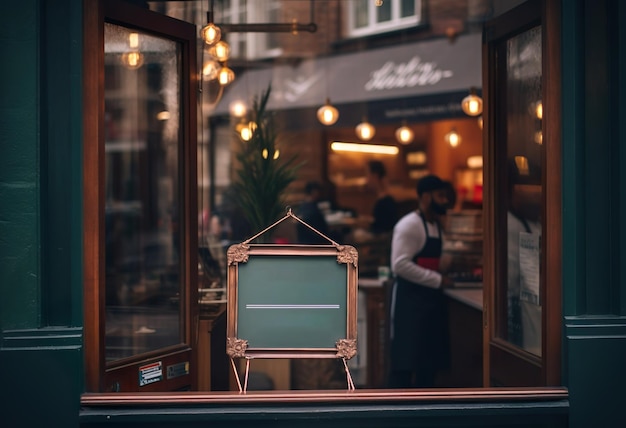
[(289, 301)]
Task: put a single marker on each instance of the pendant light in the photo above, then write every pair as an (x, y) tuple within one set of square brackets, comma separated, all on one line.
[(225, 76), (472, 104), (404, 134), (210, 33), (365, 130), (327, 114), (133, 59), (211, 69), (220, 50), (453, 138)]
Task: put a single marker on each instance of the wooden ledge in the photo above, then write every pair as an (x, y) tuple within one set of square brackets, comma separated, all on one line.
[(327, 396)]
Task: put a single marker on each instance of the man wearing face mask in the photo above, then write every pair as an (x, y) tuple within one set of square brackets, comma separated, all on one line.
[(419, 322)]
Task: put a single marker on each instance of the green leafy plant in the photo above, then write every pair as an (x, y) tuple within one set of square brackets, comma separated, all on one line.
[(263, 176)]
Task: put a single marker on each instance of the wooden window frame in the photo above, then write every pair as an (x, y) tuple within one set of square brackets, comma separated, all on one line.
[(93, 161), (93, 191), (549, 364)]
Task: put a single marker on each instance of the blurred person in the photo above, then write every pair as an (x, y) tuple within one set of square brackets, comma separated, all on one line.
[(385, 212), (310, 212), (419, 321)]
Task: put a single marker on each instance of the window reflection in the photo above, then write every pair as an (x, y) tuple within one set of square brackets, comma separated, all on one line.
[(142, 201), (524, 151)]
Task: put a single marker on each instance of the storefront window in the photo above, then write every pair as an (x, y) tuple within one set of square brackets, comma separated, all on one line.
[(142, 193), (524, 198)]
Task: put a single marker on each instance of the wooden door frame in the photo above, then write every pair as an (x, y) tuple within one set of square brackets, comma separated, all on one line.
[(95, 13), (547, 14)]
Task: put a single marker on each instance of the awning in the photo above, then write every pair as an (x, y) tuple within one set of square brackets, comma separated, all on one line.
[(421, 69)]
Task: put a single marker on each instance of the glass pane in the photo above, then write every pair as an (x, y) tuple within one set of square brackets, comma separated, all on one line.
[(142, 198), (524, 152), (383, 12), (407, 8), (360, 13)]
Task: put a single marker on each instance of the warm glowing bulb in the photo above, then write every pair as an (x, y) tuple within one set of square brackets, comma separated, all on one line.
[(327, 114), (539, 137), (475, 162), (453, 138), (245, 133), (238, 108), (265, 153), (133, 40), (276, 154), (221, 51), (365, 131), (225, 76), (132, 59), (211, 69), (472, 104), (163, 115), (404, 135), (211, 33)]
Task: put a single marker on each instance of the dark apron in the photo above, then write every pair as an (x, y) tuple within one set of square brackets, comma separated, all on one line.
[(420, 326)]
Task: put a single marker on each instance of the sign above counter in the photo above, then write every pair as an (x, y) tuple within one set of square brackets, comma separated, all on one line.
[(403, 71)]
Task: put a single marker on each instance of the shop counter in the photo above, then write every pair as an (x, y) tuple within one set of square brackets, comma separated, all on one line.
[(465, 318)]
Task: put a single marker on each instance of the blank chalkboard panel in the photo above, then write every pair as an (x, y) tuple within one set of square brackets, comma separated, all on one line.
[(289, 301), (292, 302)]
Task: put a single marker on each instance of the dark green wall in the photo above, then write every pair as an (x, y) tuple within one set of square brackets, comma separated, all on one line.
[(594, 202), (41, 362), (19, 174)]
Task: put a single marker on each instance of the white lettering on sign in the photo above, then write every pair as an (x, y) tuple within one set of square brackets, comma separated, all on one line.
[(406, 75)]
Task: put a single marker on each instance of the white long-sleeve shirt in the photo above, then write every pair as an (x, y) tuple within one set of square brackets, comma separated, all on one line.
[(409, 237)]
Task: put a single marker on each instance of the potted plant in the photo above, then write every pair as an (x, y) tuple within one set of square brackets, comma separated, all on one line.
[(263, 175)]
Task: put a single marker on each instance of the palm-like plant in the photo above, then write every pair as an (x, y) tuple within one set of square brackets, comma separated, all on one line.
[(262, 177)]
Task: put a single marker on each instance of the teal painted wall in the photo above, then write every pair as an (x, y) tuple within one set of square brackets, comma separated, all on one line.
[(594, 208), (20, 270), (41, 362)]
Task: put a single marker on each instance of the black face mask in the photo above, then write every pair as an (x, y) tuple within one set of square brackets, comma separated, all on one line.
[(439, 209)]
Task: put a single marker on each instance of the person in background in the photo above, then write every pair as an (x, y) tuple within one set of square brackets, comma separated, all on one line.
[(419, 324), (385, 210), (310, 213)]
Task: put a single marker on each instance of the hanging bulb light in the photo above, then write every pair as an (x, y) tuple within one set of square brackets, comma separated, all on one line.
[(133, 59), (404, 134), (237, 108), (220, 50), (225, 75), (327, 114), (245, 133), (211, 69), (246, 130), (365, 130), (210, 33), (472, 104), (453, 138)]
